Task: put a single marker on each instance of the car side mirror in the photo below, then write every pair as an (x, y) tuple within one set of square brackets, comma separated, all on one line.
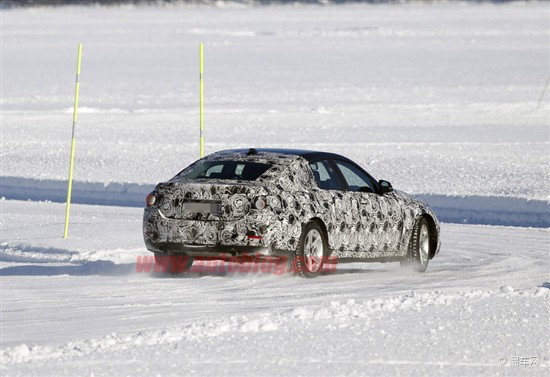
[(385, 186)]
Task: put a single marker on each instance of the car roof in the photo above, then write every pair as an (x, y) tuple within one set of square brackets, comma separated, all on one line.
[(309, 155)]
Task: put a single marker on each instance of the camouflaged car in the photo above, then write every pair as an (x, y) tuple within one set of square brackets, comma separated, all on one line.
[(303, 206)]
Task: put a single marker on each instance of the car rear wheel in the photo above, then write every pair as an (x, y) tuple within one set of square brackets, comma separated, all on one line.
[(312, 251), (419, 247), (173, 264)]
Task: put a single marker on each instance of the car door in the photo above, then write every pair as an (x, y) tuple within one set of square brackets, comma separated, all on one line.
[(334, 203), (377, 226)]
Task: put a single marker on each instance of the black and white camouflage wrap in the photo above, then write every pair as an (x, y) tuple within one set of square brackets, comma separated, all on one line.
[(358, 224)]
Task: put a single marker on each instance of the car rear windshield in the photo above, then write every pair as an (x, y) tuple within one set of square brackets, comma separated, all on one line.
[(240, 170)]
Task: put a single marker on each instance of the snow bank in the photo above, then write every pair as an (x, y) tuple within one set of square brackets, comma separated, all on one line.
[(499, 210), (114, 193), (453, 209)]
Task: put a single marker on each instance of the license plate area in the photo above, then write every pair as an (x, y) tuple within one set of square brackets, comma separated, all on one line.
[(213, 208)]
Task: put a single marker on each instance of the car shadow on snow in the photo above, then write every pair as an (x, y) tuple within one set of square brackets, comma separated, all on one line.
[(99, 268), (109, 268)]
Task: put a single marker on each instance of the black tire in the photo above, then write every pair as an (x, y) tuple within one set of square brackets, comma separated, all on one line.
[(172, 263), (310, 259), (418, 254)]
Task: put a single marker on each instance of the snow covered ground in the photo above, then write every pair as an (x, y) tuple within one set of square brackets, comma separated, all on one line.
[(80, 307), (442, 100)]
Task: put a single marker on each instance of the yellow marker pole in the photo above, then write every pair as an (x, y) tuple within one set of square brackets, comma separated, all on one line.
[(71, 165), (543, 91), (201, 100)]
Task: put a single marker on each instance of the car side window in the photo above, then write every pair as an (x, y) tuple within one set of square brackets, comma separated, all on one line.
[(325, 176), (355, 178), (214, 171)]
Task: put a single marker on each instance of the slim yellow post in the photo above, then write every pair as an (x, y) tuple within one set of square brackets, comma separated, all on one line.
[(201, 101), (71, 164)]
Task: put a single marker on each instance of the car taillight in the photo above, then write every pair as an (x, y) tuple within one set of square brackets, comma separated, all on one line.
[(260, 203), (152, 234), (151, 199)]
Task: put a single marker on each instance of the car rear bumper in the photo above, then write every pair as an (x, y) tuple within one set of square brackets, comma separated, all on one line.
[(213, 250), (208, 238)]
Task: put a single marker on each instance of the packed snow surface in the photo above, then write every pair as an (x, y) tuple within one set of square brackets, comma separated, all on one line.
[(84, 306), (447, 101)]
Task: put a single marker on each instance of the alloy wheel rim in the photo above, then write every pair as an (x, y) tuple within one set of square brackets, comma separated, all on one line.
[(424, 244), (313, 250)]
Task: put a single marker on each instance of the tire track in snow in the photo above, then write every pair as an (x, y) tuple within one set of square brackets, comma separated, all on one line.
[(336, 311)]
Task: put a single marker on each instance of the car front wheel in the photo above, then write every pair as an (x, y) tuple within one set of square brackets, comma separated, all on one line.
[(419, 247)]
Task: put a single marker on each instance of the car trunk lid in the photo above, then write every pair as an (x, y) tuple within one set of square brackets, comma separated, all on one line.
[(208, 201)]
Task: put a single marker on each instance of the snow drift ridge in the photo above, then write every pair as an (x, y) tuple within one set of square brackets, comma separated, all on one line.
[(490, 210)]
